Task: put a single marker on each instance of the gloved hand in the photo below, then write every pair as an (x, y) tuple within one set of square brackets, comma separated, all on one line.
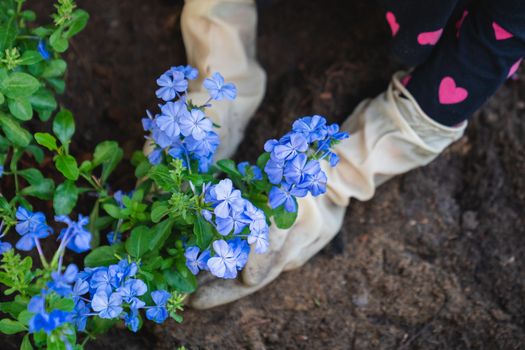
[(220, 36), (389, 135)]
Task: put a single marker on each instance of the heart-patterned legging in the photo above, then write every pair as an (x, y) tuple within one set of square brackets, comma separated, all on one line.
[(462, 51)]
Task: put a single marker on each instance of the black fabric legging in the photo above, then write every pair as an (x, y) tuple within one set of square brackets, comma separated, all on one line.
[(462, 50)]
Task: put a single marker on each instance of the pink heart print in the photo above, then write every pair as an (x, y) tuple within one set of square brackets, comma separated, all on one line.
[(500, 33), (429, 38), (450, 93), (392, 22), (514, 68)]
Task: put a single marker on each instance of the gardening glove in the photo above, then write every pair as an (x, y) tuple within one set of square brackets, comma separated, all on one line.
[(389, 135), (220, 36)]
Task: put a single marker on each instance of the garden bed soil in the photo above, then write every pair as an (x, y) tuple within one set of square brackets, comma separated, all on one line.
[(433, 261)]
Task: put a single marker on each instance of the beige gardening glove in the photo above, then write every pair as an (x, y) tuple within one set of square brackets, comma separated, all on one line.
[(220, 36), (389, 135)]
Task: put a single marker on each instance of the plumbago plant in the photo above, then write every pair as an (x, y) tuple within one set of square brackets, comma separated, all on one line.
[(186, 214)]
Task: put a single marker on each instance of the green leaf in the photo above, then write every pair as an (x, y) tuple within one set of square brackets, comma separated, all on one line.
[(58, 84), (26, 343), (20, 108), (8, 326), (54, 68), (161, 175), (8, 34), (58, 42), (19, 85), (78, 22), (15, 133), (159, 210), (46, 140), (229, 167), (262, 160), (63, 304), (111, 164), (30, 57), (203, 232), (161, 234), (138, 243), (37, 153), (24, 317), (113, 210), (67, 165), (42, 190), (13, 308), (64, 126), (101, 256), (182, 281), (65, 198), (2, 99), (284, 219), (43, 99), (31, 175)]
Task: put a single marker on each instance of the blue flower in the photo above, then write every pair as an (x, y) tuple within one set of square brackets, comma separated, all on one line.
[(28, 221), (299, 167), (1, 170), (189, 72), (226, 198), (42, 50), (170, 83), (158, 313), (132, 289), (204, 147), (80, 315), (170, 113), (77, 238), (32, 228), (258, 219), (155, 157), (4, 247), (288, 150), (241, 250), (196, 261), (61, 283), (315, 183), (251, 172), (80, 288), (114, 237), (195, 124), (43, 321), (274, 169), (218, 90), (104, 279), (132, 321), (107, 306), (260, 239), (286, 195), (313, 128), (236, 221), (224, 263)]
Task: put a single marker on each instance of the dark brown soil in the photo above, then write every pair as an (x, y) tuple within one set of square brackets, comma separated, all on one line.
[(434, 261)]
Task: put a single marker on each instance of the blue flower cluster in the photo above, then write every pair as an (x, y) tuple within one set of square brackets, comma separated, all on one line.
[(181, 128), (43, 320), (115, 292), (234, 217), (294, 160), (33, 227)]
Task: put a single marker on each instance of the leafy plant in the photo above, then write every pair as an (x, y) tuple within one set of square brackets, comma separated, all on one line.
[(186, 214)]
